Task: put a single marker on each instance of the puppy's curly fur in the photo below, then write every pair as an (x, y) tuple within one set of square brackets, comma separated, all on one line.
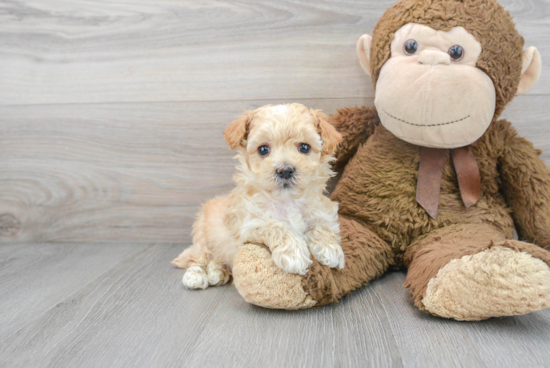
[(279, 199)]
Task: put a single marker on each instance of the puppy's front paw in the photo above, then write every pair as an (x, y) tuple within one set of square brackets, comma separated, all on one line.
[(292, 257), (195, 278), (323, 244), (328, 254)]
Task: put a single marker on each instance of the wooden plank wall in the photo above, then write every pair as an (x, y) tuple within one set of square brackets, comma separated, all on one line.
[(111, 112)]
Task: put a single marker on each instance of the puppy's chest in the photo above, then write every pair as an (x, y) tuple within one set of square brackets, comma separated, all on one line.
[(289, 211)]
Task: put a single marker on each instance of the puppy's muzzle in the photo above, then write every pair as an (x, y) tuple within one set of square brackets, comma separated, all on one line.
[(285, 173)]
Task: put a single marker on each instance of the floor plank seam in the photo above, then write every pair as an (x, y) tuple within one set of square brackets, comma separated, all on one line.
[(289, 99)]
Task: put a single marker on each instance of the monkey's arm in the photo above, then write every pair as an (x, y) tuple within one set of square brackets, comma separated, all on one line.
[(355, 124), (526, 186)]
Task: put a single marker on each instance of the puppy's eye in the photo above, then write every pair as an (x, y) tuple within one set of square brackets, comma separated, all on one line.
[(304, 148), (456, 52), (263, 150), (410, 47)]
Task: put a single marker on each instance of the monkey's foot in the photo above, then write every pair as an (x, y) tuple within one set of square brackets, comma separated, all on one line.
[(496, 282)]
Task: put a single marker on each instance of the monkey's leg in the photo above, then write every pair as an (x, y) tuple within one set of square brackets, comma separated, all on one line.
[(471, 272), (262, 283)]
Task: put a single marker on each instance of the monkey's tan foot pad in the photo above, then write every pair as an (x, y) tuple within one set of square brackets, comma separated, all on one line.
[(496, 282), (261, 282)]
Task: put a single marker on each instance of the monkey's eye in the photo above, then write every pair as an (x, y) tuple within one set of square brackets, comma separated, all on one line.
[(304, 148), (456, 52), (263, 150), (411, 47)]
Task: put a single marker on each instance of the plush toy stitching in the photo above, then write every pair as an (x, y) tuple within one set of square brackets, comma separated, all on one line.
[(427, 125)]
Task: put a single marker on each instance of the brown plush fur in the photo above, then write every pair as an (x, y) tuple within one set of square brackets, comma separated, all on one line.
[(382, 225), (355, 125), (377, 191)]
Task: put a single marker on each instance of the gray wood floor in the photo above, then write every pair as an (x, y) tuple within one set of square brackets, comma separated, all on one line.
[(111, 115), (123, 305)]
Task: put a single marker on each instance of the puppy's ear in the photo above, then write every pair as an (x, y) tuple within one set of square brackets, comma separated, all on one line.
[(237, 131), (328, 133)]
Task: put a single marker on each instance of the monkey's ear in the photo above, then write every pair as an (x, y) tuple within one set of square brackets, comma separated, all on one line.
[(237, 130), (363, 51), (328, 133), (530, 70)]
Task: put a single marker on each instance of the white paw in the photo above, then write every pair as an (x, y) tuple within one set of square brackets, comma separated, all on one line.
[(328, 254), (217, 274), (293, 257), (195, 278)]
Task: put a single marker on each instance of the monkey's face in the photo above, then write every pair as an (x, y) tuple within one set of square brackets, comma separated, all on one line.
[(451, 67), (430, 92)]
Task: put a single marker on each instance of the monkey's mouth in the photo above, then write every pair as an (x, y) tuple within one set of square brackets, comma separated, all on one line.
[(425, 125)]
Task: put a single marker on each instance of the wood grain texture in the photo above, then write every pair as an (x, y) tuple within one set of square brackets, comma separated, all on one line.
[(137, 314), (172, 50)]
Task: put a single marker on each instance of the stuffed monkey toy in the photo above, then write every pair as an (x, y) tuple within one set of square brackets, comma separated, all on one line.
[(432, 181)]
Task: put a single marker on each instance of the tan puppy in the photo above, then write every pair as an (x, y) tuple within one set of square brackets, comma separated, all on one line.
[(284, 155)]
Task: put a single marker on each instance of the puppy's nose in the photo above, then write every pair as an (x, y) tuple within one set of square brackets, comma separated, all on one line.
[(286, 172)]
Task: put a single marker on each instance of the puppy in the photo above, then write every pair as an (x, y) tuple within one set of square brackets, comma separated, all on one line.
[(284, 155)]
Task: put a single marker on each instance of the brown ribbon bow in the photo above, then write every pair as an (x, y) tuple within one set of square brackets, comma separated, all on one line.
[(430, 172)]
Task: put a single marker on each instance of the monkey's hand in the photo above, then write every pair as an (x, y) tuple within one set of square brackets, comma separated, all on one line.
[(526, 186)]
